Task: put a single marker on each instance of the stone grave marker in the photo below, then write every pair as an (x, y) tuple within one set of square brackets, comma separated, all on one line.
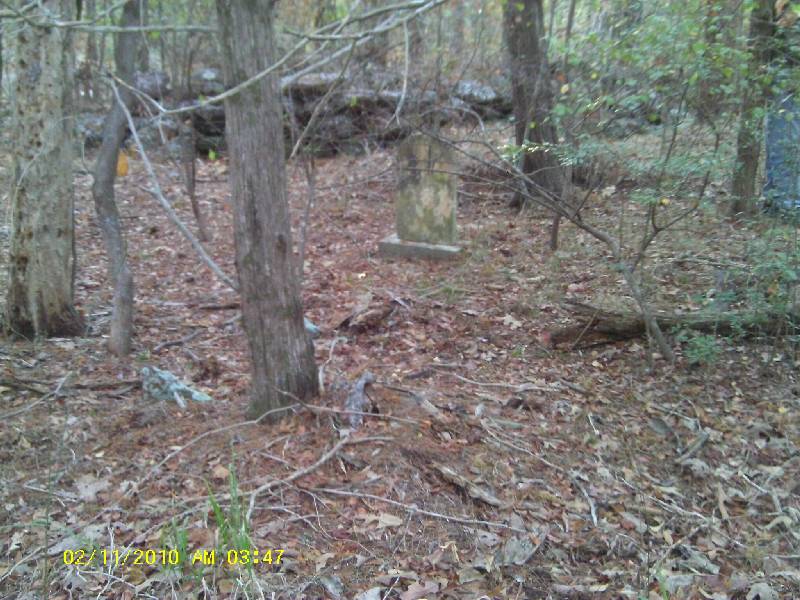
[(426, 202)]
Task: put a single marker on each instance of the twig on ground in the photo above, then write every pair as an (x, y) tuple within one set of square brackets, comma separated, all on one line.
[(184, 340), (413, 508), (521, 387), (54, 394), (513, 446), (301, 472), (657, 565), (592, 506), (202, 436), (28, 557), (60, 496), (338, 411)]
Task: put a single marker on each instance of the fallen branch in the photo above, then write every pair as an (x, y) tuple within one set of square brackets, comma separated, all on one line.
[(174, 453), (606, 325), (54, 394), (414, 509), (180, 342), (301, 472), (325, 409)]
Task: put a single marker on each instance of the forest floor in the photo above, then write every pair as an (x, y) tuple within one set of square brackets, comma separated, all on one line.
[(493, 466)]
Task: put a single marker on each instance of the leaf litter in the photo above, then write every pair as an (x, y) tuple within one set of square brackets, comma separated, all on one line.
[(485, 464)]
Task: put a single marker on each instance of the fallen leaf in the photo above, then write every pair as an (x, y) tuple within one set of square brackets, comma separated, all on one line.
[(89, 486), (388, 520), (416, 591)]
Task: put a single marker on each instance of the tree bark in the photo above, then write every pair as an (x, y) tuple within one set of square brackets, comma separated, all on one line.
[(282, 352), (532, 95), (748, 141), (459, 28), (42, 257), (375, 52), (187, 141), (91, 54), (1, 58), (144, 48), (125, 55)]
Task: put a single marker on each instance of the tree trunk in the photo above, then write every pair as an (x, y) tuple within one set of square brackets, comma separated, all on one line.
[(187, 141), (532, 95), (748, 141), (376, 51), (459, 29), (162, 51), (91, 53), (144, 48), (325, 13), (283, 355), (1, 59), (125, 55), (42, 257)]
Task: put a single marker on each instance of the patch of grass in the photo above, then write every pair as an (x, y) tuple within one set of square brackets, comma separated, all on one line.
[(232, 525)]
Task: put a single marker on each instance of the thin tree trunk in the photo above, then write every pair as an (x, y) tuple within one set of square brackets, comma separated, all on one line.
[(459, 28), (568, 37), (126, 53), (101, 56), (1, 58), (551, 25), (532, 95), (162, 52), (91, 53), (748, 141), (376, 50), (283, 355), (188, 156), (42, 257), (144, 47)]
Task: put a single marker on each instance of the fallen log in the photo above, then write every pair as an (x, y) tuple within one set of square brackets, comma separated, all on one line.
[(604, 326)]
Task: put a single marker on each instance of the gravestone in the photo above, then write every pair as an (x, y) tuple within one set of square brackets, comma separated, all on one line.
[(426, 202), (782, 185)]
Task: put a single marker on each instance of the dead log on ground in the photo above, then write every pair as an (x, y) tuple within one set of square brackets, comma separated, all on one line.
[(603, 326)]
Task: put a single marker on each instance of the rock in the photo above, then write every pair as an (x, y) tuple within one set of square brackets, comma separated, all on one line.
[(153, 83), (458, 104), (483, 98), (89, 128), (150, 130), (354, 112), (313, 84), (762, 591), (207, 82), (476, 93), (209, 126)]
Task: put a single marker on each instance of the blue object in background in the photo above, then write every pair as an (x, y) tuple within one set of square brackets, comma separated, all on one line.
[(782, 188)]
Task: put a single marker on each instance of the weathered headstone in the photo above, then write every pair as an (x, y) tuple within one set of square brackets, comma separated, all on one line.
[(426, 202)]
